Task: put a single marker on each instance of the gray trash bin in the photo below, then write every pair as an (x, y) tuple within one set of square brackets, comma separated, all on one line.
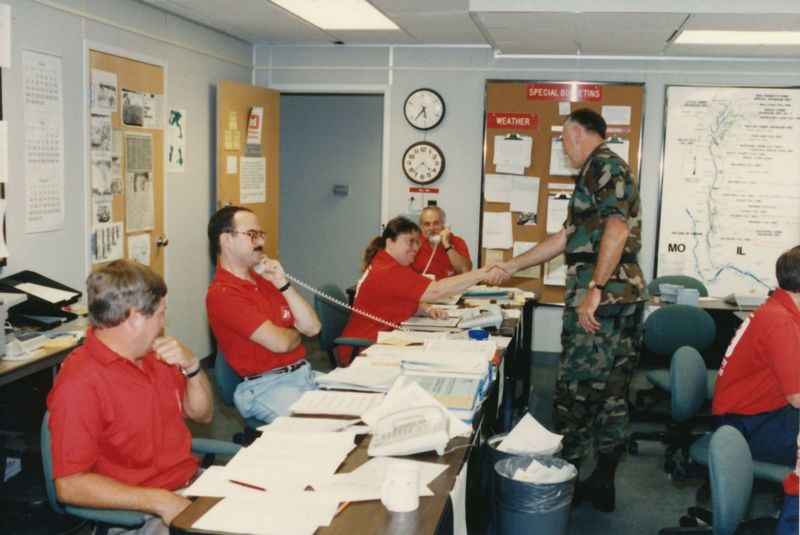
[(524, 506)]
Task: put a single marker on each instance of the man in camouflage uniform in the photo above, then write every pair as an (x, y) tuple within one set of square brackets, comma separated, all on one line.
[(605, 294)]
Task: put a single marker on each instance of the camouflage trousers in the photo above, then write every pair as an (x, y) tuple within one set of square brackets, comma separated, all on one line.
[(591, 398)]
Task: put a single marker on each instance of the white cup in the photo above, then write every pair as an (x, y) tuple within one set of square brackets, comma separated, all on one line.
[(400, 489)]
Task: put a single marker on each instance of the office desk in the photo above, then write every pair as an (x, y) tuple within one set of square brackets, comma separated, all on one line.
[(12, 370), (371, 516)]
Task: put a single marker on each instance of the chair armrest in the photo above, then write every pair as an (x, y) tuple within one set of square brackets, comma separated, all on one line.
[(210, 446), (357, 342), (113, 517)]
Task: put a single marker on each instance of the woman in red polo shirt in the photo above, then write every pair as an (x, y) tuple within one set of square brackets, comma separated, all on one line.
[(393, 291)]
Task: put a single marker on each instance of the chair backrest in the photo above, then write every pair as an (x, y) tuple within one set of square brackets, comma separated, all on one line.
[(688, 383), (227, 379), (47, 466), (673, 326), (681, 280), (332, 317), (730, 466)]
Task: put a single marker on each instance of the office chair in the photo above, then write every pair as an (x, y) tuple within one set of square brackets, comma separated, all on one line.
[(106, 518), (334, 319), (667, 330), (731, 470), (227, 380), (653, 288)]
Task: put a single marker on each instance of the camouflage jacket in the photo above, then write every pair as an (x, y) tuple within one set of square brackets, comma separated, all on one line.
[(605, 188)]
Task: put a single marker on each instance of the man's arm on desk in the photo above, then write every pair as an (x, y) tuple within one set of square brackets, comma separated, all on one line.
[(97, 491)]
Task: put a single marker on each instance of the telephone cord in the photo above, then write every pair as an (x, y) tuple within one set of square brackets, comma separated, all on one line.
[(433, 252), (345, 305)]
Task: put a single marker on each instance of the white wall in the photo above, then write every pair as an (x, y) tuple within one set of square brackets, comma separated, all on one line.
[(195, 58), (459, 74)]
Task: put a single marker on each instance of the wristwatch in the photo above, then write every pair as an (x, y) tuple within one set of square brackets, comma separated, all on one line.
[(188, 374), (593, 284)]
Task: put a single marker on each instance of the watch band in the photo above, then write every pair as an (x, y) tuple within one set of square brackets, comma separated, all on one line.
[(189, 375), (447, 249), (284, 287), (593, 284)]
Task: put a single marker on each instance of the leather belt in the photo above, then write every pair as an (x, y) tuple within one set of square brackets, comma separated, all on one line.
[(591, 258), (286, 369)]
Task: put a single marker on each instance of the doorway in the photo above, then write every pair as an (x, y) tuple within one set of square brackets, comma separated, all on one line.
[(329, 140)]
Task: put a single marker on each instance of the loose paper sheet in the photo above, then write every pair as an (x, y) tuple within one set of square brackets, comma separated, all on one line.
[(497, 230), (497, 188), (556, 272), (176, 145), (107, 242), (139, 248), (512, 154), (531, 438), (621, 147), (252, 180), (104, 92), (525, 194), (139, 200), (617, 114), (559, 163), (339, 403), (557, 205), (533, 272)]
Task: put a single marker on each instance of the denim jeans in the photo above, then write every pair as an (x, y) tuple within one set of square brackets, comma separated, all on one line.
[(270, 395)]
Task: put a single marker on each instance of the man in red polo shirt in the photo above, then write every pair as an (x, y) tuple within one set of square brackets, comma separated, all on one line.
[(758, 388), (258, 318), (441, 253), (117, 408)]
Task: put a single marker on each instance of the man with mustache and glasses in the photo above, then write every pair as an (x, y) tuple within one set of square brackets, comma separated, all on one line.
[(258, 318)]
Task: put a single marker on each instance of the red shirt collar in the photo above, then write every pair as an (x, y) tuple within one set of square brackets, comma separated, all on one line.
[(101, 352), (224, 276)]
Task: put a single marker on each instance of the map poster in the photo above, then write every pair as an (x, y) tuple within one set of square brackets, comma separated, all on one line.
[(730, 198)]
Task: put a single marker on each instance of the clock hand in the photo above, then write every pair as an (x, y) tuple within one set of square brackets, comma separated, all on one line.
[(421, 112)]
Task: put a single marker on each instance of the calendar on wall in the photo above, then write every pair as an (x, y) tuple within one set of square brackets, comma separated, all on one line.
[(44, 142)]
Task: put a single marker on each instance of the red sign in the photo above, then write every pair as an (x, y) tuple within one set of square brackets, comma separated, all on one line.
[(423, 190), (570, 92), (514, 121)]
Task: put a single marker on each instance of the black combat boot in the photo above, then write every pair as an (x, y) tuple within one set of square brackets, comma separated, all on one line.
[(599, 487)]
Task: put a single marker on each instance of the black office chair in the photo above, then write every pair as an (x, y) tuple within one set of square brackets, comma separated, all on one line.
[(334, 318), (108, 518), (227, 380)]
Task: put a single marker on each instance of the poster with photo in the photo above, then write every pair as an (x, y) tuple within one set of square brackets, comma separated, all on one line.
[(104, 92), (102, 208), (139, 201), (107, 242), (101, 174), (132, 108), (101, 134)]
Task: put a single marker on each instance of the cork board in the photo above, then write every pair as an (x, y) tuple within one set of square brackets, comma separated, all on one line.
[(131, 78), (234, 104), (523, 123)]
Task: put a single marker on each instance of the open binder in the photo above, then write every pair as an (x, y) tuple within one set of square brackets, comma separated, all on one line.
[(44, 307)]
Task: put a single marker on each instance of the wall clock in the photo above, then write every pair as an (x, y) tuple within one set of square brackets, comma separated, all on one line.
[(423, 162), (424, 109)]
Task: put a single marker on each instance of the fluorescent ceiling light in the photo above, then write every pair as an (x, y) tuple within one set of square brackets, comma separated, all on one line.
[(338, 14), (713, 37)]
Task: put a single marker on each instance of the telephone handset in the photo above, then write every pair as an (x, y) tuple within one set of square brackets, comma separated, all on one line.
[(485, 316), (435, 240), (259, 268), (410, 431)]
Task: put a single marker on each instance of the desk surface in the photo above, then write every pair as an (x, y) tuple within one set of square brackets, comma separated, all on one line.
[(12, 370), (370, 516)]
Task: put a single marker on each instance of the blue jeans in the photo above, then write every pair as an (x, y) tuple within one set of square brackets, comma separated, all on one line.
[(270, 395), (788, 519), (772, 436)]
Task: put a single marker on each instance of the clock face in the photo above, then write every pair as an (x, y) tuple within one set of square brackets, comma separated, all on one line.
[(424, 109), (423, 162)]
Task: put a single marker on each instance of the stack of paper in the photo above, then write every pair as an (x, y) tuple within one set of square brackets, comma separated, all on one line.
[(360, 375), (335, 403), (461, 395)]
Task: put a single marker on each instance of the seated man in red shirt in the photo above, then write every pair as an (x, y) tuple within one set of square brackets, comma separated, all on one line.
[(257, 318), (758, 388), (441, 253), (117, 408)]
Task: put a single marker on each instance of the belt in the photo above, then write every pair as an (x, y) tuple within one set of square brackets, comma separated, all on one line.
[(574, 258), (286, 369)]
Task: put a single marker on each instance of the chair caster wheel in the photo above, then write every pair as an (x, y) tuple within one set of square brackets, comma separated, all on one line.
[(633, 447), (679, 473), (688, 522)]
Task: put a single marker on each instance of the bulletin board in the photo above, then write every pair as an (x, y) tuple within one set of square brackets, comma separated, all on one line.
[(248, 171), (126, 147), (522, 129)]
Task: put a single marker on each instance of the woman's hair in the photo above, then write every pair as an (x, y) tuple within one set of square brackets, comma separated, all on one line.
[(395, 227)]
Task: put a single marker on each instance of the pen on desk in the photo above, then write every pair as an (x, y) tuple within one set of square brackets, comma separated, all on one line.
[(248, 485), (341, 508)]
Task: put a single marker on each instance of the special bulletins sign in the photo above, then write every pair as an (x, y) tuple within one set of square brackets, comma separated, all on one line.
[(565, 92)]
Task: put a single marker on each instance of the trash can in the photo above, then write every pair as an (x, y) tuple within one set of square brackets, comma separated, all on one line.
[(490, 455), (525, 506)]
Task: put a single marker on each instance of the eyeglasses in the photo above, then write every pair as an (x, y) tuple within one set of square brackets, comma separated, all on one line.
[(255, 235)]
